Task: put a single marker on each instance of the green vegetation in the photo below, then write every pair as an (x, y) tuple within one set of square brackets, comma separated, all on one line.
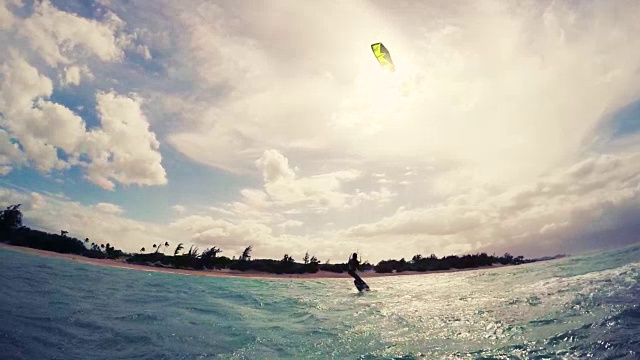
[(14, 233)]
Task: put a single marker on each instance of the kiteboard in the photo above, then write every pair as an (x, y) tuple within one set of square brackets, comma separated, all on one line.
[(361, 286)]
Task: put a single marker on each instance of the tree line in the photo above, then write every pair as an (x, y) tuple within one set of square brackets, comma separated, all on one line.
[(13, 232)]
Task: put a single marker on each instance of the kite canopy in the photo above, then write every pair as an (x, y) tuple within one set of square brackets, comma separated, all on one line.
[(383, 56)]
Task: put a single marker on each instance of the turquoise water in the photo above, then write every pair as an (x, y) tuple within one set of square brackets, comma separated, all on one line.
[(572, 308)]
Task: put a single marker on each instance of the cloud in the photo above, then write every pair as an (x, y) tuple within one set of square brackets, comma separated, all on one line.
[(102, 223), (123, 149), (179, 209), (436, 221), (290, 224), (565, 204), (282, 187), (37, 201), (50, 135), (7, 20), (57, 35), (206, 230), (275, 167), (109, 208), (10, 154), (39, 125), (497, 132), (459, 97), (73, 75), (319, 193)]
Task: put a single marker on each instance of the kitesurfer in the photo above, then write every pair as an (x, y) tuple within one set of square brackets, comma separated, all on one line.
[(353, 265)]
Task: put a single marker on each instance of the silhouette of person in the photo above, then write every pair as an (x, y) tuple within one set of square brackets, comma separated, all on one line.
[(353, 268)]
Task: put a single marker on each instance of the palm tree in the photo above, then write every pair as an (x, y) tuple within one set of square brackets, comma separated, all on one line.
[(142, 250), (178, 248), (211, 253), (63, 233), (245, 254), (166, 245), (193, 253), (306, 258)]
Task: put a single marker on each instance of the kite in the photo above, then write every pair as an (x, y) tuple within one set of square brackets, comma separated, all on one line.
[(383, 56)]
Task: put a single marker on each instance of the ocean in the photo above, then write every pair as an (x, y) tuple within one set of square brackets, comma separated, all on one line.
[(579, 307)]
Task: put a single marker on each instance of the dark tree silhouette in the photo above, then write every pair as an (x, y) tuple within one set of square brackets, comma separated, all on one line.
[(208, 257), (193, 252), (246, 254), (178, 249), (11, 218), (14, 233), (166, 245), (211, 253)]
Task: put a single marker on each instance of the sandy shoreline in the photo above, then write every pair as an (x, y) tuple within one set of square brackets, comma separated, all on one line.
[(217, 273)]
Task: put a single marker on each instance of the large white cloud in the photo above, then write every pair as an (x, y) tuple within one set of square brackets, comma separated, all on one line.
[(58, 36), (478, 85), (287, 191), (489, 99), (122, 150), (565, 204), (41, 126)]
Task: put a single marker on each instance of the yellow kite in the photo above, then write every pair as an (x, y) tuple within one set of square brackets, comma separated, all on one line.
[(383, 56)]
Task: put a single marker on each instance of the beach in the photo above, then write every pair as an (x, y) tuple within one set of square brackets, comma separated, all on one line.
[(221, 272)]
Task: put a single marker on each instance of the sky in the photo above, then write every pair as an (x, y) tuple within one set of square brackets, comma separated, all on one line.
[(508, 126)]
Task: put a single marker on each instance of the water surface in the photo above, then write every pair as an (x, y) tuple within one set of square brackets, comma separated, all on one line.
[(572, 308)]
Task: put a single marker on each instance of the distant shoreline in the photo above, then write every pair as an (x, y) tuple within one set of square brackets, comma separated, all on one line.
[(224, 272)]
